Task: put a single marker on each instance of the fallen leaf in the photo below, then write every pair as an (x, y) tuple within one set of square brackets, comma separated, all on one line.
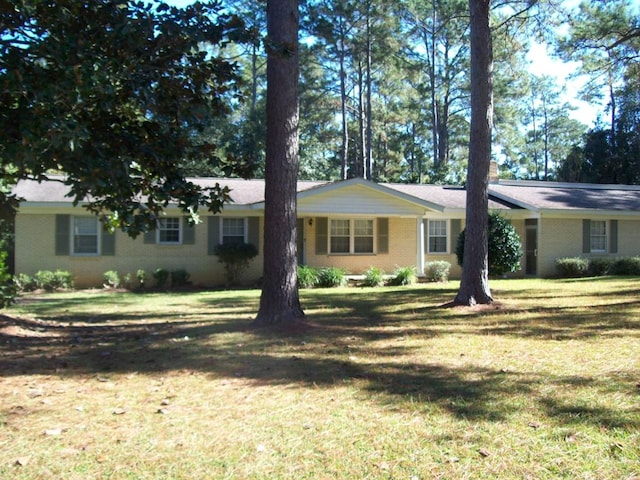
[(483, 452), (533, 425), (53, 431), (22, 461), (119, 411)]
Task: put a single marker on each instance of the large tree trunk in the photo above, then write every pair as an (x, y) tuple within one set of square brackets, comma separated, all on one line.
[(474, 285), (279, 302)]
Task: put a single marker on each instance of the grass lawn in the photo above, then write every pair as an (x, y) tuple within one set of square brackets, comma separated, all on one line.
[(387, 383)]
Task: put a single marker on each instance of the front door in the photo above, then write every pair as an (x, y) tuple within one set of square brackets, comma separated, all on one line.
[(531, 247)]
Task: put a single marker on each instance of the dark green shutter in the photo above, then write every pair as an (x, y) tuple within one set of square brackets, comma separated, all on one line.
[(253, 235), (63, 232), (149, 237), (456, 228), (300, 240), (613, 236), (322, 235), (586, 236), (188, 232), (383, 235), (108, 243), (213, 234), (425, 236)]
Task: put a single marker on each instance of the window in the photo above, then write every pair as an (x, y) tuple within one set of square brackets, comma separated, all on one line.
[(85, 236), (169, 231), (233, 231), (351, 236), (598, 235), (437, 236)]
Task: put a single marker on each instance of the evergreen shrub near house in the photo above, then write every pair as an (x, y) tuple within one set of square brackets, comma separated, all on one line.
[(599, 266), (50, 281), (180, 278), (437, 271), (236, 258), (373, 277), (572, 267), (141, 275), (111, 279), (626, 266), (8, 288), (332, 277), (24, 282), (307, 276), (505, 247), (404, 276), (161, 276)]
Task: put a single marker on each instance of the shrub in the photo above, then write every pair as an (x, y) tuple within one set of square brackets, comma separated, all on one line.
[(332, 277), (160, 275), (505, 247), (307, 276), (571, 267), (63, 279), (373, 277), (111, 279), (626, 266), (141, 275), (180, 278), (437, 271), (599, 266), (8, 289), (46, 280), (24, 282), (127, 281), (236, 258), (404, 276)]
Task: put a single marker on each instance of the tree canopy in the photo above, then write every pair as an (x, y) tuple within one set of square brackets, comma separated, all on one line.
[(115, 95)]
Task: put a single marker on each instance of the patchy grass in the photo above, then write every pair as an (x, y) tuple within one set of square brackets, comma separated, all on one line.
[(386, 383)]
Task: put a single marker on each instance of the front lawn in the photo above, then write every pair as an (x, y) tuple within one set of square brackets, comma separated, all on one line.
[(386, 383)]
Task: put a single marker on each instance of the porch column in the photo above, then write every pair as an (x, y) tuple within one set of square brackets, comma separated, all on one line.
[(420, 244)]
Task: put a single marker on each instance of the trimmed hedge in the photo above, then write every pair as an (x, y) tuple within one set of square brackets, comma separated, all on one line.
[(572, 267)]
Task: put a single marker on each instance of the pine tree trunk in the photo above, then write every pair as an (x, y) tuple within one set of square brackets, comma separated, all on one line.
[(474, 285), (279, 302)]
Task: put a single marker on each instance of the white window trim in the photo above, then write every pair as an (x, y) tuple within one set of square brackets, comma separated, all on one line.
[(606, 237), (352, 235), (245, 228), (180, 233), (72, 238), (448, 234)]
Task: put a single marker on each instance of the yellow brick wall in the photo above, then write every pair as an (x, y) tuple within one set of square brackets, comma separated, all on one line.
[(35, 250)]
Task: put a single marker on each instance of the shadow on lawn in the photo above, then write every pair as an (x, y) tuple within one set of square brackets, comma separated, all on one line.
[(340, 347)]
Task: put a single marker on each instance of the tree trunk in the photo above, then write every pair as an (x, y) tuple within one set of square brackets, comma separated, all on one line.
[(279, 302), (474, 285), (344, 152)]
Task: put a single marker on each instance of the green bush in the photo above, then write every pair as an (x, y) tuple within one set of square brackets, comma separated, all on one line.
[(111, 279), (161, 276), (180, 278), (404, 276), (63, 279), (599, 266), (373, 277), (50, 281), (626, 266), (141, 275), (437, 271), (127, 281), (236, 258), (8, 289), (307, 276), (571, 267), (505, 247), (332, 277), (24, 282)]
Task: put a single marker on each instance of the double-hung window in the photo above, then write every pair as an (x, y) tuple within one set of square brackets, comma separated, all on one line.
[(437, 236), (351, 236), (598, 235), (169, 231), (233, 230), (85, 236)]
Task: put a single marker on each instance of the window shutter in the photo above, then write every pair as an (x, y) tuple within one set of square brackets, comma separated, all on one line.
[(188, 232), (213, 234), (613, 236), (383, 235), (425, 236), (149, 237), (456, 229), (253, 234), (63, 232), (322, 234), (586, 236), (108, 241), (300, 240)]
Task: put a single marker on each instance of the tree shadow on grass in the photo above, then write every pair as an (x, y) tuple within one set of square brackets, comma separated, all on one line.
[(338, 347)]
